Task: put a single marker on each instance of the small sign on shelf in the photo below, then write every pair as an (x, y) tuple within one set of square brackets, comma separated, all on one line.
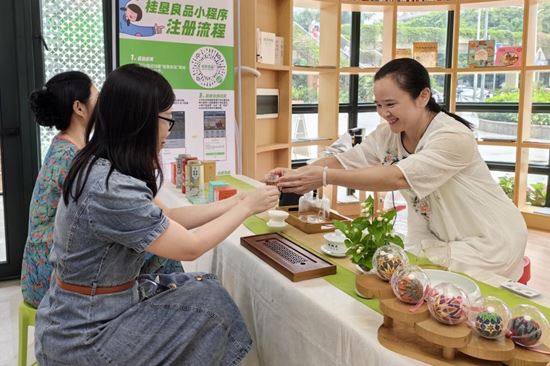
[(425, 53), (481, 52)]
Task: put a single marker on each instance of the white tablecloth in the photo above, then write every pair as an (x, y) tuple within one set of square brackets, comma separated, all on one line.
[(304, 323)]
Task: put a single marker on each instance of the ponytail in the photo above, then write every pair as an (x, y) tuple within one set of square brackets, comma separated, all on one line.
[(434, 107)]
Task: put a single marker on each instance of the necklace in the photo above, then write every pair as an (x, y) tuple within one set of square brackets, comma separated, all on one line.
[(416, 141)]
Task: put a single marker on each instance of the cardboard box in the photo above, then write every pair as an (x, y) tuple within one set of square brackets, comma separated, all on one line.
[(184, 161), (222, 193), (212, 185), (209, 171), (194, 178), (173, 170)]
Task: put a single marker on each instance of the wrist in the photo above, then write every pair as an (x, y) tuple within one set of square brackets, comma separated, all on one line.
[(244, 208)]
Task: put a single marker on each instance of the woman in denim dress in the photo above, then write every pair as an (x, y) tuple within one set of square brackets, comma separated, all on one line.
[(66, 102), (95, 312)]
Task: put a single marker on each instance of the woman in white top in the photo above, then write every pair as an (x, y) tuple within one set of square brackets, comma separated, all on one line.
[(431, 156)]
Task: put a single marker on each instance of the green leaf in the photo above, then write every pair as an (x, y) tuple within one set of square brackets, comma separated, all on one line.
[(390, 214), (396, 239), (340, 225)]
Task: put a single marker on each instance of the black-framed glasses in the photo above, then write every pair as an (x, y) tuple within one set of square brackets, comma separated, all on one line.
[(170, 120)]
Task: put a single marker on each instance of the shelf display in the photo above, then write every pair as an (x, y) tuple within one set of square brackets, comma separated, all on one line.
[(504, 66)]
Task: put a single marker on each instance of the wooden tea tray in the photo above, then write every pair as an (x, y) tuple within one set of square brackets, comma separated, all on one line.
[(294, 220), (293, 261)]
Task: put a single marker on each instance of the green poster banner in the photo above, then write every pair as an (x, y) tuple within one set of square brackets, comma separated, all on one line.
[(184, 65)]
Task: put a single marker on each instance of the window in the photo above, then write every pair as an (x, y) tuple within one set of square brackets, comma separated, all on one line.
[(306, 36), (427, 26), (489, 98), (503, 24), (73, 32)]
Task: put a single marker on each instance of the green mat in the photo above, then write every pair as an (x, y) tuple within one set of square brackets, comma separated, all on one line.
[(344, 279), (234, 182)]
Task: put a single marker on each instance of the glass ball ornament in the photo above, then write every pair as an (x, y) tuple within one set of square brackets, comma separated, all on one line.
[(448, 303), (488, 317), (528, 327), (387, 259), (409, 284)]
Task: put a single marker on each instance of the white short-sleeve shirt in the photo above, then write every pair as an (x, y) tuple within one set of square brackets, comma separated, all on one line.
[(453, 197)]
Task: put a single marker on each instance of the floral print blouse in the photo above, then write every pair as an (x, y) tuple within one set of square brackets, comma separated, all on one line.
[(48, 189)]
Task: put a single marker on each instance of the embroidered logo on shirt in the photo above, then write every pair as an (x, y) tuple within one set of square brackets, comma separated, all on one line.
[(390, 158), (422, 206)]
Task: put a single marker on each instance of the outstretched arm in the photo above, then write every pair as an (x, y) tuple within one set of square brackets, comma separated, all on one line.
[(193, 216), (378, 178), (178, 243)]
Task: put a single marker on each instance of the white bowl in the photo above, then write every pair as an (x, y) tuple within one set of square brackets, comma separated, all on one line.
[(276, 226), (277, 215), (437, 276)]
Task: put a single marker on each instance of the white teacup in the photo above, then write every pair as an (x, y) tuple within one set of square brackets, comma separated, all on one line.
[(335, 242), (277, 216), (276, 226)]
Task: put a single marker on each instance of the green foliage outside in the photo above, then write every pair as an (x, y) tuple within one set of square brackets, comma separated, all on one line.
[(301, 91), (540, 95), (507, 185), (505, 27), (536, 192)]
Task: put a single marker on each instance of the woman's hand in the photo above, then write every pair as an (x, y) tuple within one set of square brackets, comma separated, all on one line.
[(261, 199), (301, 180), (278, 172)]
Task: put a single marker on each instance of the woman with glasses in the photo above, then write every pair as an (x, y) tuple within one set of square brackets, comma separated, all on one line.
[(65, 103), (458, 215), (95, 313)]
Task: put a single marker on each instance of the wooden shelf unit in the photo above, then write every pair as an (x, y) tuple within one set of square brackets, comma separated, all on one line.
[(268, 143)]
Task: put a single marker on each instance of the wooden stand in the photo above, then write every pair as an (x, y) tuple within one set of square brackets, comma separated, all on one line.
[(417, 335), (371, 286)]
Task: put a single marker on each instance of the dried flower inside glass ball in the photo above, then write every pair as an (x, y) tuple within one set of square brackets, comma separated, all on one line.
[(448, 303), (409, 284), (528, 326), (387, 259), (489, 317)]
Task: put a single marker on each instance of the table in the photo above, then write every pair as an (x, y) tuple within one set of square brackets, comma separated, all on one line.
[(304, 323)]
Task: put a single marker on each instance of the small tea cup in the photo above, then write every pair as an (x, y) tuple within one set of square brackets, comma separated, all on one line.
[(335, 242), (277, 215)]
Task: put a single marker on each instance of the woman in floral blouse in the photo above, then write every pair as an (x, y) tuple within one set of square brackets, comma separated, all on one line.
[(66, 102)]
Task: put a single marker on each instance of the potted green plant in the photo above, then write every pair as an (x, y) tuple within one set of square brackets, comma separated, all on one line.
[(536, 194), (367, 233), (507, 185)]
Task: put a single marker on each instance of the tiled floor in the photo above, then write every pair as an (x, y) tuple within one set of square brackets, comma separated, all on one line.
[(10, 298), (538, 249)]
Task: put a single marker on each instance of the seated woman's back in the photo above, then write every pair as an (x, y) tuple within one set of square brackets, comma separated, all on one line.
[(66, 103)]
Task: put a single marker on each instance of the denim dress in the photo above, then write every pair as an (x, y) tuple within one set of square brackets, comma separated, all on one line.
[(99, 241), (36, 269)]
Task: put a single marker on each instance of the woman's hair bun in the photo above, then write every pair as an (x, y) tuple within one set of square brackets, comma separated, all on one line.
[(44, 106)]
